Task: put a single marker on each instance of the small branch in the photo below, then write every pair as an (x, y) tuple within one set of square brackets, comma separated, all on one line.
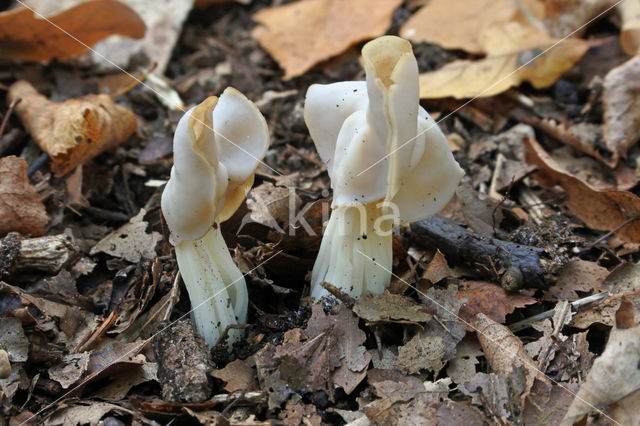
[(10, 110), (515, 266), (45, 254)]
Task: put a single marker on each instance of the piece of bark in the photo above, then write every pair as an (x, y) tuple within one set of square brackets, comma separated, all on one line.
[(184, 363), (515, 266), (47, 254)]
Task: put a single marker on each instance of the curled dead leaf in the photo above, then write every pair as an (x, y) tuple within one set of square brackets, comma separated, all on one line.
[(600, 210), (613, 377), (622, 107), (28, 36), (21, 207), (506, 67), (461, 23), (505, 352), (301, 34), (74, 131)]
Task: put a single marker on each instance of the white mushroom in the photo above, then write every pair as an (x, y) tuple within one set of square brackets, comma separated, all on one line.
[(388, 161), (211, 175)]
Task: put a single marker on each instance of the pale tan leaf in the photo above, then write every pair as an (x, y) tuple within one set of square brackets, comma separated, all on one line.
[(300, 34), (497, 73), (460, 24)]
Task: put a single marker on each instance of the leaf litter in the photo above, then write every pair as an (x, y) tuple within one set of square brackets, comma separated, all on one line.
[(83, 323)]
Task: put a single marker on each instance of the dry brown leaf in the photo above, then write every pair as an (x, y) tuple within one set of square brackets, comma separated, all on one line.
[(614, 375), (622, 283), (437, 269), (301, 34), (21, 207), (621, 128), (74, 131), (601, 210), (577, 275), (131, 241), (505, 352), (630, 34), (508, 63), (83, 412), (389, 307), (490, 299), (460, 24), (238, 376), (462, 368), (28, 37), (422, 352)]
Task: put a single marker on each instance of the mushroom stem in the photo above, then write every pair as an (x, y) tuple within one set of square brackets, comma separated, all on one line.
[(216, 287), (356, 252)]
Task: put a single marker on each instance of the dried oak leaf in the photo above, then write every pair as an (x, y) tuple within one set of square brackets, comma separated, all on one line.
[(601, 210), (622, 107), (577, 275), (490, 299), (513, 56), (301, 34), (389, 307), (447, 324), (327, 354), (422, 352), (238, 376), (70, 369), (614, 376), (28, 37), (459, 24), (350, 349), (131, 241), (74, 131), (404, 400), (622, 283), (21, 208)]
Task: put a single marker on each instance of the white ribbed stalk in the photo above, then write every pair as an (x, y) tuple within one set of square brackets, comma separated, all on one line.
[(354, 256), (216, 287)]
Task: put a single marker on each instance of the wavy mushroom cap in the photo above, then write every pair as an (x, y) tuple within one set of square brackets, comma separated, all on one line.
[(376, 140), (217, 147)]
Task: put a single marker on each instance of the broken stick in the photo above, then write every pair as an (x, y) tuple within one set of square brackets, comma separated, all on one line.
[(515, 266)]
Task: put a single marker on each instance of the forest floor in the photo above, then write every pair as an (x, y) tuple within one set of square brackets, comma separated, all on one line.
[(497, 309)]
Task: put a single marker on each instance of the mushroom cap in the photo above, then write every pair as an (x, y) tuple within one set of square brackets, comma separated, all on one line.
[(213, 169), (376, 140)]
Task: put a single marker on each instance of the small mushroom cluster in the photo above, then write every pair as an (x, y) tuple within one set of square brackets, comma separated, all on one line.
[(387, 159)]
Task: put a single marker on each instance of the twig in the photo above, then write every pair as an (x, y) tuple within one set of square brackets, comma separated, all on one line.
[(608, 234), (576, 304), (10, 110)]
